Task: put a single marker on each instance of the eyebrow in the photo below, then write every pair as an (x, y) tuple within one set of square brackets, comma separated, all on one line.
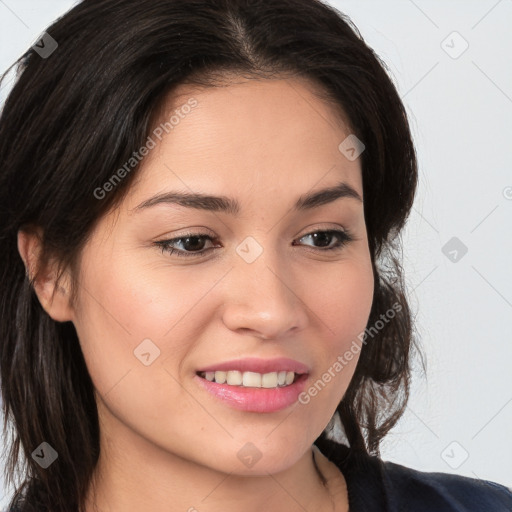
[(231, 206)]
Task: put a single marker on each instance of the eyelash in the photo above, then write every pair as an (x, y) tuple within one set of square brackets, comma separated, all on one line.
[(344, 237)]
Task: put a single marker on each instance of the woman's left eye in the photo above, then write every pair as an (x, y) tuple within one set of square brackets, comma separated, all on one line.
[(196, 247)]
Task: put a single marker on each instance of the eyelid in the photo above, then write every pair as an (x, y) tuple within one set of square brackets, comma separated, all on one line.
[(322, 227), (195, 231)]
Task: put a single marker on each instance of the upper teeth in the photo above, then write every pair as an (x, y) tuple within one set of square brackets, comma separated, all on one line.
[(251, 379)]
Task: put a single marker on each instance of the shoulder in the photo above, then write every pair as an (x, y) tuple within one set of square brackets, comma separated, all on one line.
[(375, 485), (439, 491)]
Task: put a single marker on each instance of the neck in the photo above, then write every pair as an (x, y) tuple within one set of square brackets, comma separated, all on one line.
[(134, 474)]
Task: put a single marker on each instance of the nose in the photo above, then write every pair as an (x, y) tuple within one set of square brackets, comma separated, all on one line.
[(266, 298)]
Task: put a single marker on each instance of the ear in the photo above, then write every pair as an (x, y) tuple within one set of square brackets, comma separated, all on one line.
[(54, 299)]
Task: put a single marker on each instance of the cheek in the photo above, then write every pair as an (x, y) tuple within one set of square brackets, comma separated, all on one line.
[(343, 306), (343, 302), (127, 310)]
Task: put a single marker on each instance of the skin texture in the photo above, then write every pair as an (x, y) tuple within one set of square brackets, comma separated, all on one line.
[(167, 444)]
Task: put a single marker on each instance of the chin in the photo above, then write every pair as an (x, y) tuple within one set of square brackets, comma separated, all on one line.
[(262, 455)]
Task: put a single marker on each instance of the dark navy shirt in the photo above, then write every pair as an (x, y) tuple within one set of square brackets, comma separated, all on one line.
[(375, 485)]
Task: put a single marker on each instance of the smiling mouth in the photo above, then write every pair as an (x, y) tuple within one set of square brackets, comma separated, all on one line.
[(236, 378)]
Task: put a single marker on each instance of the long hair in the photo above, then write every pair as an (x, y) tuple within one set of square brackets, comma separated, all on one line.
[(75, 116)]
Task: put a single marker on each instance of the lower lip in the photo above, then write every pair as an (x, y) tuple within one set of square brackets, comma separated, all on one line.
[(256, 399)]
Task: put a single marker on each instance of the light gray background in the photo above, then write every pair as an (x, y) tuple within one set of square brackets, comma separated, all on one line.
[(460, 107)]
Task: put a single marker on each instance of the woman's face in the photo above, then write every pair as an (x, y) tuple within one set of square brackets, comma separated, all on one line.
[(258, 283)]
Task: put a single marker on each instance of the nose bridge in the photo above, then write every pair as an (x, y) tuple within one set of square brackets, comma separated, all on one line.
[(259, 268), (263, 297)]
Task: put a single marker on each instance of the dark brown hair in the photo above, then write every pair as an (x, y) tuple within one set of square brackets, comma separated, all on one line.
[(74, 117)]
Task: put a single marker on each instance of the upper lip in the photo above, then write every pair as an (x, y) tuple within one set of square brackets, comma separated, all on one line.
[(252, 364)]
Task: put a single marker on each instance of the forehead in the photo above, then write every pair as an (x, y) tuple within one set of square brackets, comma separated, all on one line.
[(248, 133)]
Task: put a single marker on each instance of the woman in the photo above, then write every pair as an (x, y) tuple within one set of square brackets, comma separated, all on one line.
[(201, 203)]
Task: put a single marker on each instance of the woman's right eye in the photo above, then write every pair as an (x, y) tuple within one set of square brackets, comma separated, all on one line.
[(166, 245)]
